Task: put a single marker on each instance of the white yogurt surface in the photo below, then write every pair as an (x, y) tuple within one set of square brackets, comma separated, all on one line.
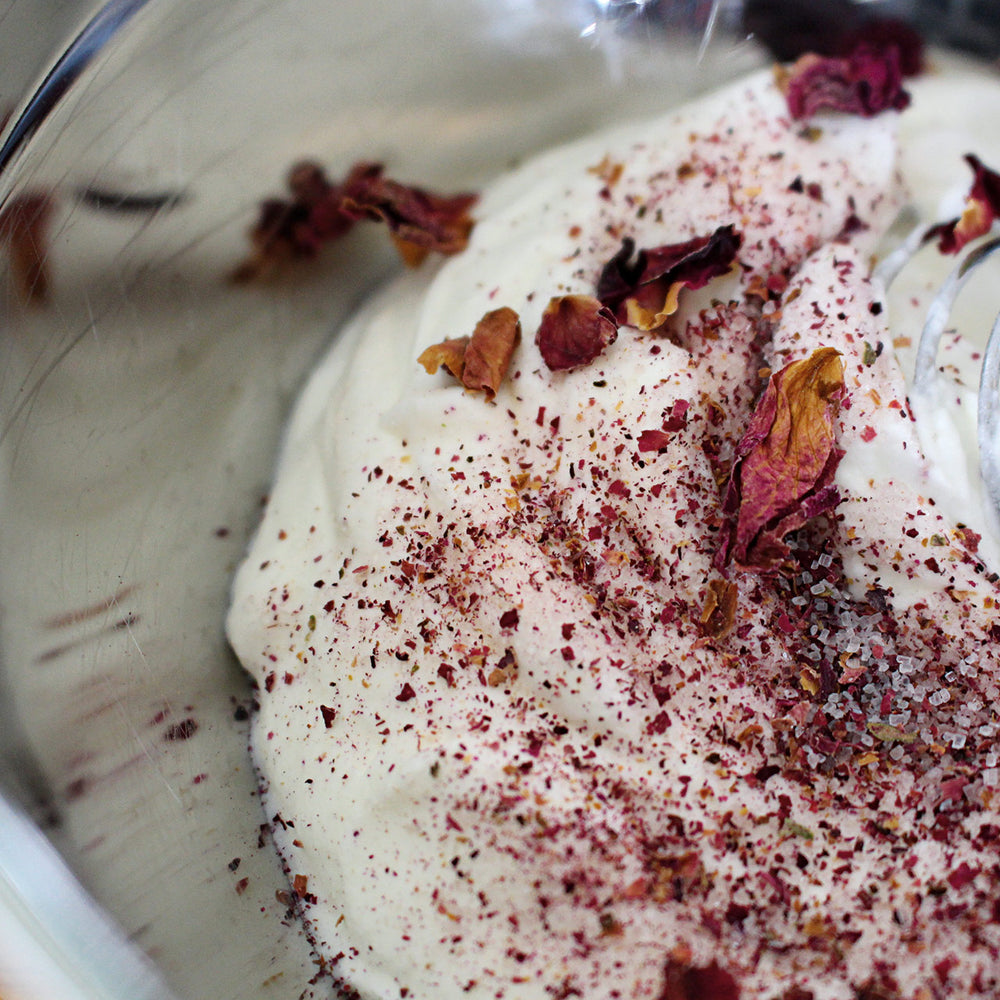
[(504, 756)]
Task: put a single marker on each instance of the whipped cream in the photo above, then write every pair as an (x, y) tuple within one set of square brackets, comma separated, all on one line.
[(503, 753)]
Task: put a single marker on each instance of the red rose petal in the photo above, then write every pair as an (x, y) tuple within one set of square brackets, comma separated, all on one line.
[(982, 207), (320, 210), (866, 82), (962, 876), (644, 290), (575, 329), (783, 473), (683, 981)]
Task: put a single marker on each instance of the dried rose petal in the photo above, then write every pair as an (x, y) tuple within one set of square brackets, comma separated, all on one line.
[(676, 419), (783, 472), (479, 362), (326, 218), (982, 207), (643, 292), (308, 183), (866, 82), (411, 254), (719, 612), (968, 538), (575, 329), (287, 229), (505, 671), (449, 354), (24, 227), (620, 275), (962, 875), (683, 981), (883, 987), (414, 215), (319, 211), (490, 350)]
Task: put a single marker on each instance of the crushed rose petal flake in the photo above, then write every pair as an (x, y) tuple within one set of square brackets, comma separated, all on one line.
[(719, 611)]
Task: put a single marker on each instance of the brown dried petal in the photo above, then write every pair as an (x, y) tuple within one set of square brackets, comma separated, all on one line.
[(308, 184), (479, 362), (719, 612), (662, 306), (435, 222), (505, 671), (297, 227), (411, 254), (449, 354), (609, 171), (327, 217), (575, 329), (490, 350), (319, 211)]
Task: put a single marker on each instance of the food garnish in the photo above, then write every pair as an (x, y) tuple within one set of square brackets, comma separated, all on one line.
[(319, 211), (982, 206), (782, 476), (719, 612), (575, 329), (479, 362), (420, 220), (866, 82), (643, 290)]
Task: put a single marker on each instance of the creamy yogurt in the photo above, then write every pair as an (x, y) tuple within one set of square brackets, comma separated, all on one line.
[(503, 752)]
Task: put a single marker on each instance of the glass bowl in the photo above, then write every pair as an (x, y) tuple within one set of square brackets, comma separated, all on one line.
[(143, 394)]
